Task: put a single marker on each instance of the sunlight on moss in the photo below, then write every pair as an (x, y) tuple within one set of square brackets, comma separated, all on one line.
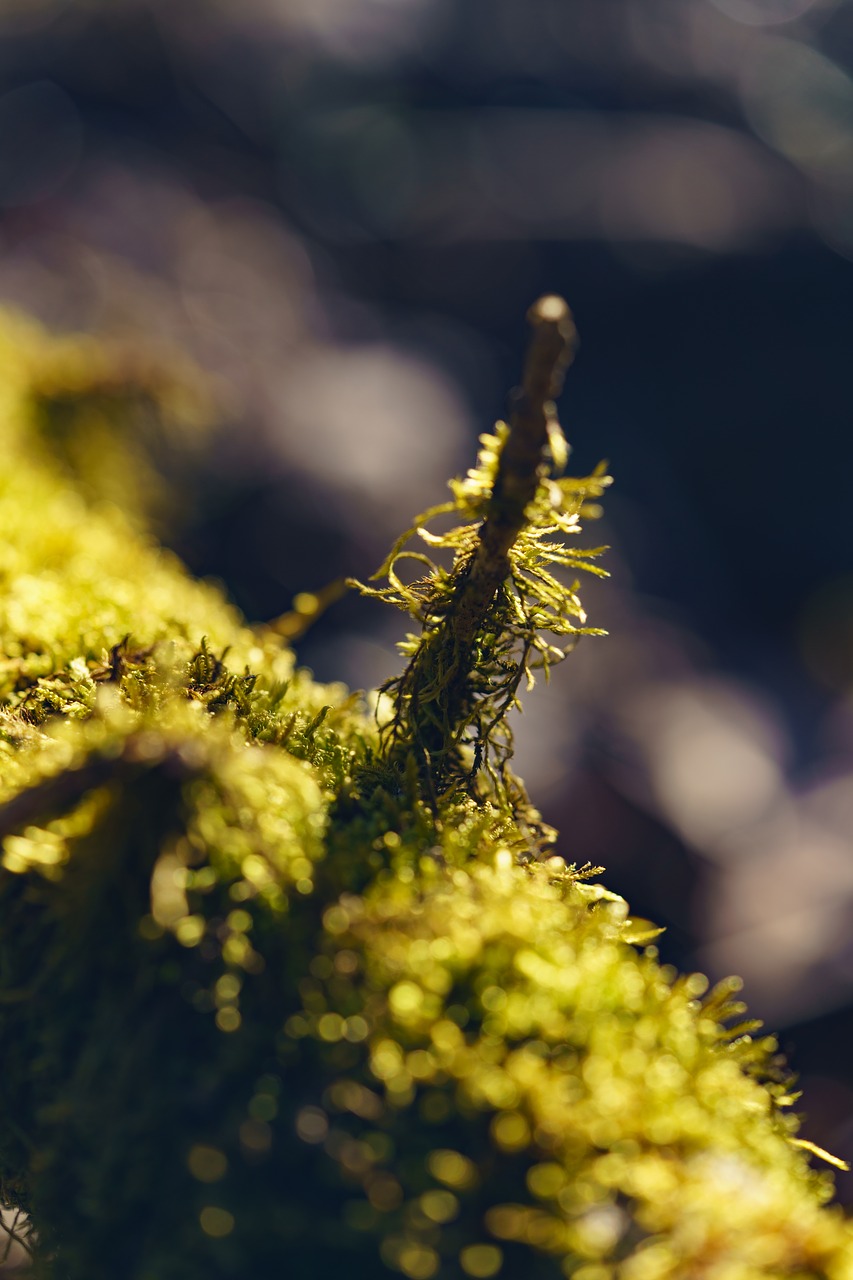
[(264, 1004), (531, 625)]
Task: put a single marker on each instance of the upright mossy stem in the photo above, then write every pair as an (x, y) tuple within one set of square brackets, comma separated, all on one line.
[(484, 622), (520, 468)]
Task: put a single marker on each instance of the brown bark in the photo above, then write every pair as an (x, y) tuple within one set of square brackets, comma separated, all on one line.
[(549, 354)]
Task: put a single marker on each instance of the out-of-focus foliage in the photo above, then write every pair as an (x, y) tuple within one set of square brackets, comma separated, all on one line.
[(111, 414), (247, 1029)]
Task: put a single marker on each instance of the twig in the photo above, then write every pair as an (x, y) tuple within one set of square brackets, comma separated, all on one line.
[(549, 354), (14, 1238)]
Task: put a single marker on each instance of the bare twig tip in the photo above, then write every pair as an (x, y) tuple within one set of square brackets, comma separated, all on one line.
[(550, 309)]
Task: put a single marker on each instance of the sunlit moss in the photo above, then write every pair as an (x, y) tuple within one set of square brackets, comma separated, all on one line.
[(532, 623), (255, 1023)]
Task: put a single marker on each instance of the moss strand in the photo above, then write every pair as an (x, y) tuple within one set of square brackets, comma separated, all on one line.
[(484, 623)]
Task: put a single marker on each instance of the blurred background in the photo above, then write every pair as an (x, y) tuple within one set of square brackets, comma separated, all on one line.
[(341, 210)]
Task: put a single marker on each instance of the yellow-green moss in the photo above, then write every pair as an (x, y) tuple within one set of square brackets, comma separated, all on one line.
[(258, 1018)]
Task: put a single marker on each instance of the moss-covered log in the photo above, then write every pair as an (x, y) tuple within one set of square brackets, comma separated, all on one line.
[(266, 1012)]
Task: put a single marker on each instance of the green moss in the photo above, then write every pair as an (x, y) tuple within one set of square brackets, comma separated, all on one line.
[(269, 1005), (498, 613)]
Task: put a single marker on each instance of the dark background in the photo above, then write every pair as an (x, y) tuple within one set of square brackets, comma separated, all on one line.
[(342, 209)]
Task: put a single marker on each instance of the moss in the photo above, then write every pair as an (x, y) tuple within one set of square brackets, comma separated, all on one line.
[(499, 613), (269, 1004)]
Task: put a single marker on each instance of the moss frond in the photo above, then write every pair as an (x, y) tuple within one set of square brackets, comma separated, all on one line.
[(500, 612)]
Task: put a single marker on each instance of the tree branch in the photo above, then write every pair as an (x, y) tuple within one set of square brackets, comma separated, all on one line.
[(550, 352), (434, 714)]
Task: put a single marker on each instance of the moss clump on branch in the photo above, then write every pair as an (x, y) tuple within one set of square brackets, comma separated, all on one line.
[(493, 618), (281, 993)]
